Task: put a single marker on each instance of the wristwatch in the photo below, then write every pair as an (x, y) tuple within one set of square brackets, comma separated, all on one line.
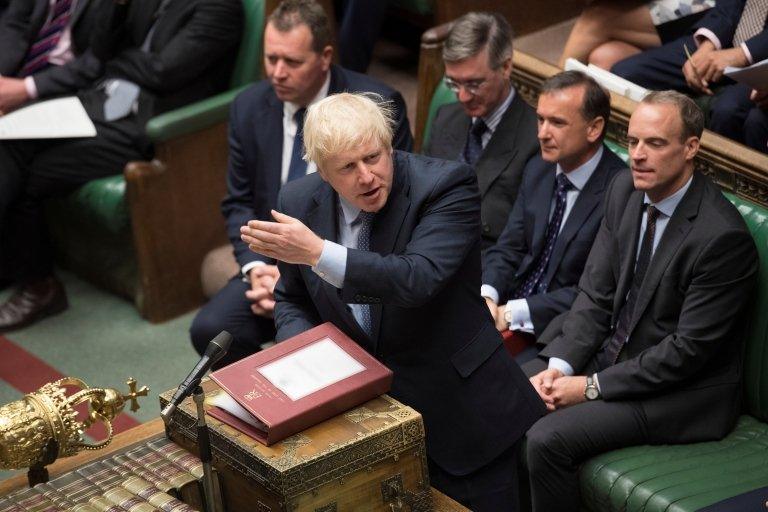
[(508, 315), (591, 392)]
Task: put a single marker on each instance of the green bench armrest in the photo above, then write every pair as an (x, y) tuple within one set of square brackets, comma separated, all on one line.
[(191, 118)]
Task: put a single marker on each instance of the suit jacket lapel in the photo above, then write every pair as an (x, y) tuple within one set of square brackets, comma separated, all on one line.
[(628, 233), (387, 224), (677, 229), (78, 11), (586, 202), (145, 19), (456, 136), (541, 201), (502, 147)]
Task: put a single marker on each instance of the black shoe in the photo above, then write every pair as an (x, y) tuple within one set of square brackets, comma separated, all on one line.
[(31, 302)]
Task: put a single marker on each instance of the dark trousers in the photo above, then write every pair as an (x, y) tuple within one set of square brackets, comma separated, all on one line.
[(492, 488), (756, 130), (662, 68), (32, 171), (230, 310), (559, 442), (360, 27)]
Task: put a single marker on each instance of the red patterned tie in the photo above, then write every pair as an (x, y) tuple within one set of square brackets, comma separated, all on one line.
[(47, 38)]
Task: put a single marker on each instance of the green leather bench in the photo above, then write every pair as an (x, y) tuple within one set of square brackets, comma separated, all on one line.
[(685, 478), (143, 234)]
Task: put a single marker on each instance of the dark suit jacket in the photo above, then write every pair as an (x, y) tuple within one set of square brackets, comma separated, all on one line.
[(431, 326), (19, 27), (191, 52), (682, 361), (723, 19), (511, 259), (255, 150), (500, 168)]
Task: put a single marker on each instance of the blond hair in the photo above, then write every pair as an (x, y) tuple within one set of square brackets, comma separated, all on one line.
[(345, 121)]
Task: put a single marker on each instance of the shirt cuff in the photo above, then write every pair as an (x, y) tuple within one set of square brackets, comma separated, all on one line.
[(555, 363), (520, 315), (747, 53), (29, 84), (332, 265), (705, 33), (489, 291), (248, 266)]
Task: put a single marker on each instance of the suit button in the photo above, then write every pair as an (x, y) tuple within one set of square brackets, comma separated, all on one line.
[(358, 298), (486, 228)]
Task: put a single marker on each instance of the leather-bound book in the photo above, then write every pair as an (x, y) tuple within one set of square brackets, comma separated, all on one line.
[(33, 500), (154, 496), (161, 466), (128, 467), (298, 383), (107, 480), (177, 455)]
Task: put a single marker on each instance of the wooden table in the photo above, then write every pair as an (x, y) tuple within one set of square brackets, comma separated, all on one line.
[(441, 502)]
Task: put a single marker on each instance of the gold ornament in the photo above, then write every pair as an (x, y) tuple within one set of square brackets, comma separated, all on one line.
[(43, 425)]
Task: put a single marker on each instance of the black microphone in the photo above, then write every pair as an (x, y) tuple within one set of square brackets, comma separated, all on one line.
[(217, 348)]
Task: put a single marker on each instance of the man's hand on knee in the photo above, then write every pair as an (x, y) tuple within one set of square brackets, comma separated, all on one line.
[(544, 383), (567, 391)]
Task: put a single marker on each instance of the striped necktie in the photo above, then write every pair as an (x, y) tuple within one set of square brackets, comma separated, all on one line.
[(364, 244), (752, 20), (47, 39)]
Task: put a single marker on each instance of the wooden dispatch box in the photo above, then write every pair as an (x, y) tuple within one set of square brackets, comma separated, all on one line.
[(371, 458)]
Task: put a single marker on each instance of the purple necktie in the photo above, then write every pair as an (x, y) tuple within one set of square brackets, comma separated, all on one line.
[(47, 39)]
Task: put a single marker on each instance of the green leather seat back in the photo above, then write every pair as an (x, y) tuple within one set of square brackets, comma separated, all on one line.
[(442, 96), (249, 56)]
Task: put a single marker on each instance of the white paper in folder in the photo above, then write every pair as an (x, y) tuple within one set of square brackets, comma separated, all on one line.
[(53, 119)]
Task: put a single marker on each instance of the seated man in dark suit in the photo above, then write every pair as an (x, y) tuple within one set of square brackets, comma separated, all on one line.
[(650, 351), (491, 128), (265, 154), (46, 50), (530, 274), (756, 124), (733, 33), (154, 56), (386, 245)]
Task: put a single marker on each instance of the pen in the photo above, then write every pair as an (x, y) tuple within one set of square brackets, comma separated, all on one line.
[(693, 67)]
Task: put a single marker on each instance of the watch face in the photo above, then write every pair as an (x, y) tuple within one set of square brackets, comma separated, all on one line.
[(508, 316), (591, 393)]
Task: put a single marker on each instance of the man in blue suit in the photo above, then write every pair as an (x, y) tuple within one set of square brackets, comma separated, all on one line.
[(733, 33), (530, 274), (265, 144), (386, 245)]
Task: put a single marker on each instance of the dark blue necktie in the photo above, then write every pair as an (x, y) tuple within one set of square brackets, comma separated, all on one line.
[(610, 355), (474, 145), (298, 166), (533, 283), (364, 244)]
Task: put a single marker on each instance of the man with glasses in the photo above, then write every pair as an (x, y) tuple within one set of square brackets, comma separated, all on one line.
[(491, 127)]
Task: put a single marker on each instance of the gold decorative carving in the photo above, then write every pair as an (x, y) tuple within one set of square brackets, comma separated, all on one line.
[(46, 420)]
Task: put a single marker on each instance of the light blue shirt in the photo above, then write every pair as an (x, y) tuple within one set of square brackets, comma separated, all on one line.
[(666, 207), (519, 312), (332, 265), (493, 119)]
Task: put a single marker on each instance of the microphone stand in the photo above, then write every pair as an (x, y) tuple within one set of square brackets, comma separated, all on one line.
[(204, 444)]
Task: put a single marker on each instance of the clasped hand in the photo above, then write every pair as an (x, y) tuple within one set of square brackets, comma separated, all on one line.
[(558, 391), (262, 292), (287, 240)]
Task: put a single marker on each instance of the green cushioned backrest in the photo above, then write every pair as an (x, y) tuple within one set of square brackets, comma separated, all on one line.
[(442, 96), (618, 149), (423, 7), (756, 349), (248, 62)]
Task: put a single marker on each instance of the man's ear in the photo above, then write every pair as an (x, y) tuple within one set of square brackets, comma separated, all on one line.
[(691, 147), (595, 129), (326, 56)]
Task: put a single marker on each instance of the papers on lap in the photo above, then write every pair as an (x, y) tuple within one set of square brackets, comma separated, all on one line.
[(755, 76), (610, 81), (59, 118), (296, 384)]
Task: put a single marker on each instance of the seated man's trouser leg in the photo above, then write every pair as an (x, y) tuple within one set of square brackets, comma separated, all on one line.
[(560, 441), (53, 168), (729, 112), (756, 130), (230, 310), (658, 68), (491, 488)]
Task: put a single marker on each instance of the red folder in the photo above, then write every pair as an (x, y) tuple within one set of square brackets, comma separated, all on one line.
[(278, 406)]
